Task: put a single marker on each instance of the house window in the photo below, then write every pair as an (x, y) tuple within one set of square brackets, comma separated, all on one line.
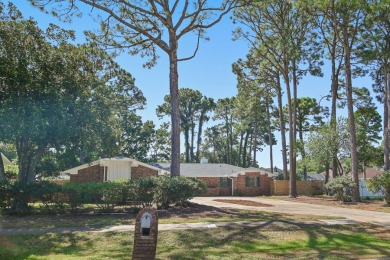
[(224, 182), (252, 181)]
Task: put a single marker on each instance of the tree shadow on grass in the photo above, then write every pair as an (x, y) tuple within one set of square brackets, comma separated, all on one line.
[(280, 239), (78, 245)]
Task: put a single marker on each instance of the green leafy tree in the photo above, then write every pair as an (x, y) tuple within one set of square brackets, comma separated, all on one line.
[(308, 118), (224, 111), (381, 184), (193, 112), (374, 51), (137, 137), (368, 127), (322, 142), (160, 148), (60, 96), (283, 29)]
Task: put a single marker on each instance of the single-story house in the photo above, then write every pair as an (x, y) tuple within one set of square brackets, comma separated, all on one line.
[(227, 180), (110, 169), (221, 179)]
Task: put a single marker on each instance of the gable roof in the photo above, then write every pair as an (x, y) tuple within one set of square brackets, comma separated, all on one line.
[(106, 161), (210, 169)]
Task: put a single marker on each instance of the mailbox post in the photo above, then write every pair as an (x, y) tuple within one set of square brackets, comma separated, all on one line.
[(145, 235)]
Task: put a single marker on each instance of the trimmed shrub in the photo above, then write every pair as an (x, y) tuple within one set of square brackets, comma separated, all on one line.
[(341, 188), (381, 184), (107, 194), (144, 190), (77, 194), (177, 190)]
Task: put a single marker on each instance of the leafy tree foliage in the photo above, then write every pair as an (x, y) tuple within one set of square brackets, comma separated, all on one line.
[(194, 108), (59, 96), (143, 27)]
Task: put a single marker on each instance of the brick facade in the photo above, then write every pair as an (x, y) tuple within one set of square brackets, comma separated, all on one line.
[(239, 185), (142, 171), (93, 173), (262, 190)]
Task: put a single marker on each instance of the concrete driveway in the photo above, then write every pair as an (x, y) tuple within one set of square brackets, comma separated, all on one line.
[(281, 206)]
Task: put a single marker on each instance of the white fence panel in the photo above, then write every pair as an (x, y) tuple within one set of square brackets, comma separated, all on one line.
[(364, 192)]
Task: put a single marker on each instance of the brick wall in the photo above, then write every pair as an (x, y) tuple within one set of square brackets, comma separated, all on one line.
[(212, 184), (281, 187), (93, 173), (263, 189), (142, 171), (239, 183)]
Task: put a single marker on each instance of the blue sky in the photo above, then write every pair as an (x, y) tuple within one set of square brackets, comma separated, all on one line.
[(209, 72)]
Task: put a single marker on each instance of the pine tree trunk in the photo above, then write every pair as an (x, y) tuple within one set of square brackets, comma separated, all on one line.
[(245, 149), (333, 118), (199, 140), (271, 162), (187, 143), (293, 137), (351, 116), (175, 115), (240, 149), (192, 141), (282, 129), (2, 170), (292, 183), (386, 123), (255, 144)]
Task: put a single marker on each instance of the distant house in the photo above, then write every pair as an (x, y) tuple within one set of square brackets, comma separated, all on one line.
[(110, 169), (370, 173), (316, 177), (227, 180)]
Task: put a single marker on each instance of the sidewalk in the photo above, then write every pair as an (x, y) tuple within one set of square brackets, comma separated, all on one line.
[(184, 226)]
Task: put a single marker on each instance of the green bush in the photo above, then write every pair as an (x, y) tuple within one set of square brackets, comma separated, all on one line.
[(16, 197), (77, 194), (5, 195), (381, 184), (177, 190), (162, 191), (341, 188), (107, 194), (144, 190)]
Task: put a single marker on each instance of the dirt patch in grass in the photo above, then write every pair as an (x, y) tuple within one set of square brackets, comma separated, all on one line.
[(372, 205), (245, 203)]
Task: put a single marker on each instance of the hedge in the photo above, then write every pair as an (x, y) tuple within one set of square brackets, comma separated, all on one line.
[(17, 198)]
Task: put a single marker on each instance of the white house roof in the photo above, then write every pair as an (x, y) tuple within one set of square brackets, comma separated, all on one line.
[(210, 169), (106, 161)]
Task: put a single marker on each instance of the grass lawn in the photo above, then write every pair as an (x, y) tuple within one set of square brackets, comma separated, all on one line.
[(274, 241), (195, 213), (372, 204)]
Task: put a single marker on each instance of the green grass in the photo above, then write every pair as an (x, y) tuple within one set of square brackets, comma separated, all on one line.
[(96, 220), (273, 241)]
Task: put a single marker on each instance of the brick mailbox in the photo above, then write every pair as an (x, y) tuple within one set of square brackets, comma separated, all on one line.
[(145, 234)]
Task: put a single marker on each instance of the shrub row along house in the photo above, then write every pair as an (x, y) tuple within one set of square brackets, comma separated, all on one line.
[(221, 179)]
